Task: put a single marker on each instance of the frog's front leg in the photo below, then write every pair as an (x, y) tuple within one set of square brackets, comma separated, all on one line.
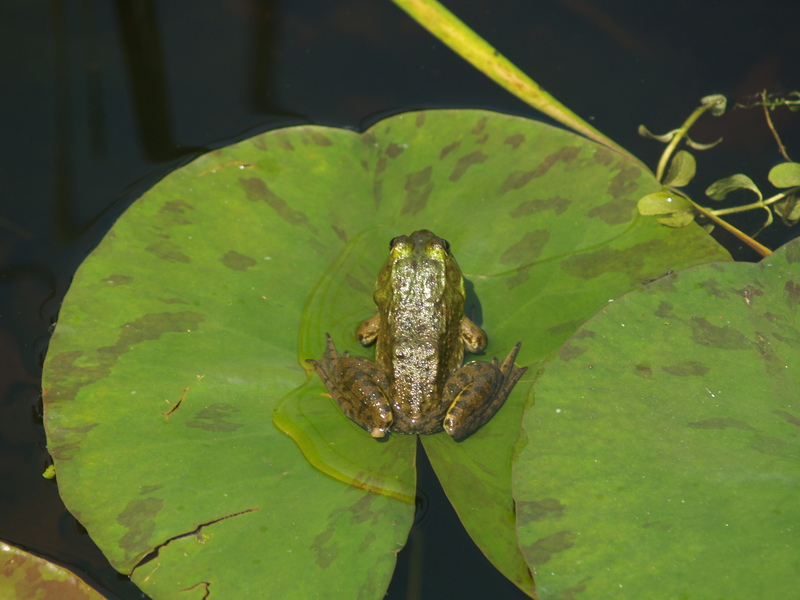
[(477, 391), (359, 386)]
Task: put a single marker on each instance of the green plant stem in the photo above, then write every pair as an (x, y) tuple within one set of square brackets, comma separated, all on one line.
[(446, 27), (781, 147), (758, 247), (680, 133), (754, 205)]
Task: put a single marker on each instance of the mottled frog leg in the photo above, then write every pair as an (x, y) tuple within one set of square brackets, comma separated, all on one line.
[(477, 391), (359, 386), (368, 330), (474, 337)]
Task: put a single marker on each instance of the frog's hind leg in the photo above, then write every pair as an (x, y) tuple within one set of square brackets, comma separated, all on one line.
[(359, 386), (478, 390)]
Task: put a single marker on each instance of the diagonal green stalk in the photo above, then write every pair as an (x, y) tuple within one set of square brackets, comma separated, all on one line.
[(681, 133), (450, 30)]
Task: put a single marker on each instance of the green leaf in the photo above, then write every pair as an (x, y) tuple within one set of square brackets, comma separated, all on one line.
[(24, 576), (679, 219), (720, 189), (785, 175), (192, 320), (664, 202), (789, 210), (661, 458), (665, 137), (700, 146), (681, 170), (718, 103)]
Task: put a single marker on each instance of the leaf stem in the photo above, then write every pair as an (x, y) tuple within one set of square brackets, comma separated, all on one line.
[(450, 30), (781, 147), (760, 248), (681, 133), (754, 205)]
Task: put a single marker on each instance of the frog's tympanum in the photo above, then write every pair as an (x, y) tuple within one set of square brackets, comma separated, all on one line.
[(416, 383)]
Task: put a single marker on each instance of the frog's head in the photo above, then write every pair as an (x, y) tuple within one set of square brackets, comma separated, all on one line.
[(421, 262)]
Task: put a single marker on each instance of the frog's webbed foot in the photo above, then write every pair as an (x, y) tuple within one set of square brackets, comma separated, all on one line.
[(477, 391), (359, 386)]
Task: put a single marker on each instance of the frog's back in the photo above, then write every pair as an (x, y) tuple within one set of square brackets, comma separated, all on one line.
[(421, 343)]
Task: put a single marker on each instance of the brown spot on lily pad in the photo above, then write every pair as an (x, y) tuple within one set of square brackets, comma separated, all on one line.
[(359, 286), (624, 184), (169, 251), (236, 261), (96, 365), (792, 289), (687, 368), (320, 139), (138, 519), (563, 329), (172, 212), (117, 279), (644, 371), (792, 253), (215, 418), (480, 125), (393, 150), (569, 351), (540, 510), (528, 249), (614, 212), (664, 310), (711, 286), (557, 204), (604, 260), (63, 442), (604, 156), (542, 550), (448, 149), (256, 190), (788, 417), (724, 337), (418, 189), (518, 179), (721, 423), (515, 140), (465, 162), (172, 301)]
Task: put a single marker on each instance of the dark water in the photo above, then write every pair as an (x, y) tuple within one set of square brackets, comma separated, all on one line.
[(100, 99)]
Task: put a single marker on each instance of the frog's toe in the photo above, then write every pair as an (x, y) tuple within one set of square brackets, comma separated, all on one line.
[(378, 432)]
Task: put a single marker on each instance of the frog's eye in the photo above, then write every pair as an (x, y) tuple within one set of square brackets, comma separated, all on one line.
[(446, 244), (392, 242)]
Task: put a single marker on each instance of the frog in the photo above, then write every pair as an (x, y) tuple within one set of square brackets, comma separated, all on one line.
[(417, 384)]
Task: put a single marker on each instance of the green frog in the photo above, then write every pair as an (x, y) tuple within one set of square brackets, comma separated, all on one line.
[(416, 383)]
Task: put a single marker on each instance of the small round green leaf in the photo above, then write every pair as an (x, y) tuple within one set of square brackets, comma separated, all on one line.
[(664, 203), (681, 170), (720, 189), (785, 175)]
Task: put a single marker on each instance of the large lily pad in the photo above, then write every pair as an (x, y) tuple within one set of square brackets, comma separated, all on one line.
[(191, 321), (661, 458)]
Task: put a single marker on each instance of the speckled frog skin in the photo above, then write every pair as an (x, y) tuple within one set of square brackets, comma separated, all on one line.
[(416, 383)]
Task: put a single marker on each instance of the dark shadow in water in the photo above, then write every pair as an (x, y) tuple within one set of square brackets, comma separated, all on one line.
[(440, 560)]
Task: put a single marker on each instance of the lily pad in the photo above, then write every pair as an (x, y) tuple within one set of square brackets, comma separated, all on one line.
[(661, 458), (24, 576), (192, 320)]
